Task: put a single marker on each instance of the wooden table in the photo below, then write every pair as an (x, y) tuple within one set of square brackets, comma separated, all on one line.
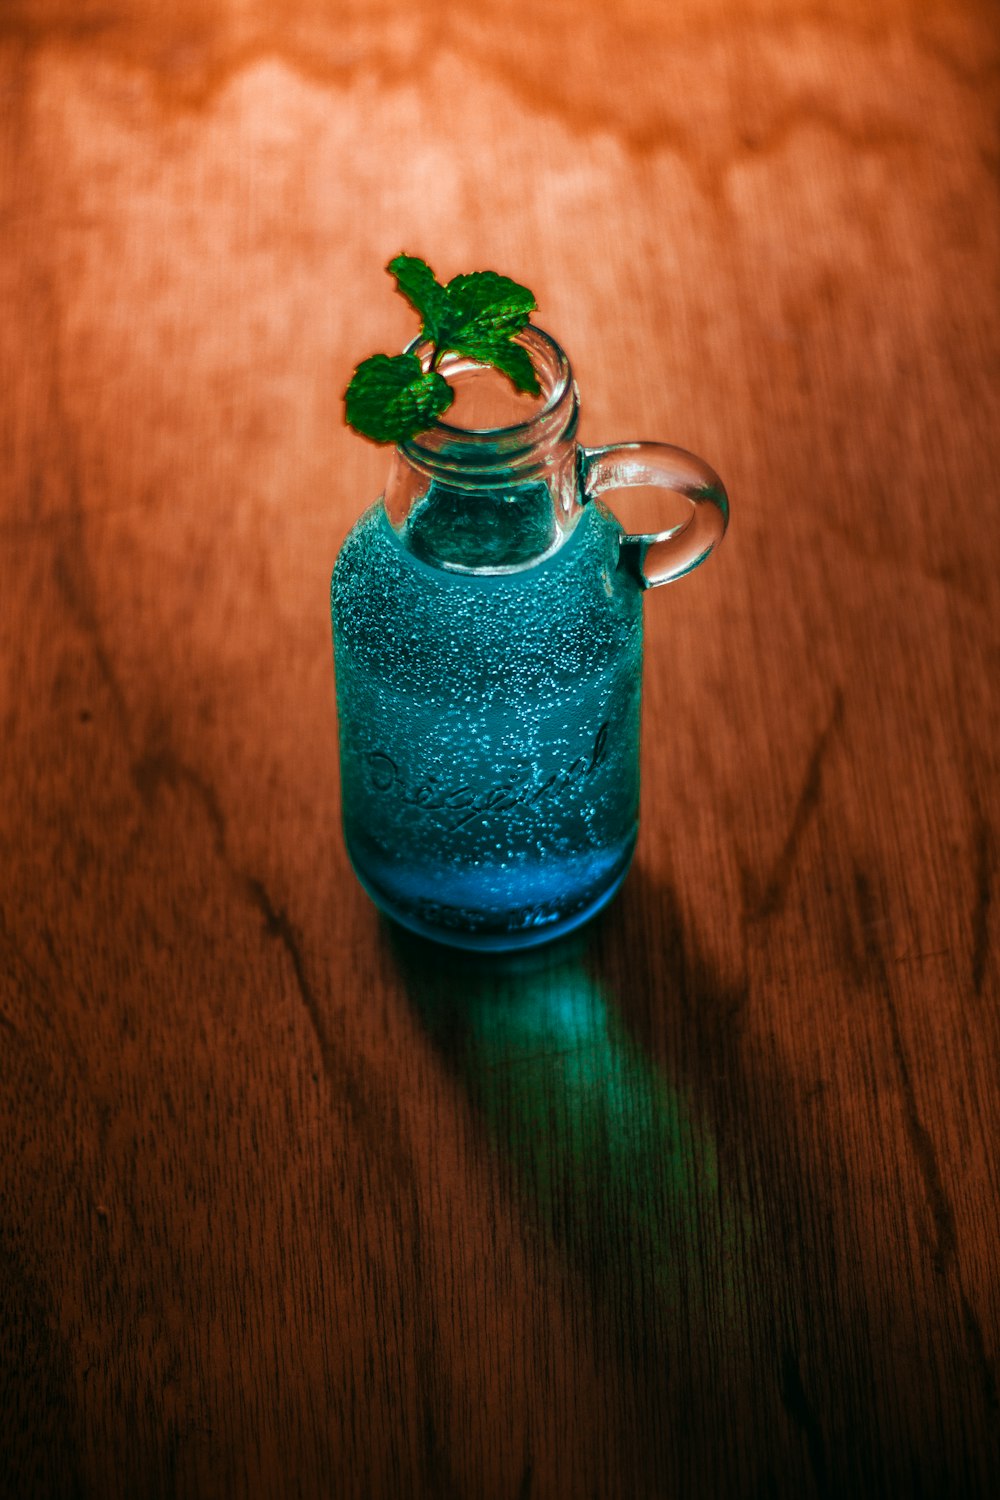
[(706, 1202)]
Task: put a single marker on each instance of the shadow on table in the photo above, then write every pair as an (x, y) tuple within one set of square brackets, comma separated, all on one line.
[(605, 1146), (695, 1198)]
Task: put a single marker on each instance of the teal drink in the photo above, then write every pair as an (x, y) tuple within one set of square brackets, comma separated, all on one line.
[(489, 720)]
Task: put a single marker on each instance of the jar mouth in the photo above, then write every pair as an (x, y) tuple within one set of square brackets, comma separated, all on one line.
[(550, 365), (497, 461)]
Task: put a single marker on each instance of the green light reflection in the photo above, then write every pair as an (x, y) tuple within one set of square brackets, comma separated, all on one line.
[(603, 1149)]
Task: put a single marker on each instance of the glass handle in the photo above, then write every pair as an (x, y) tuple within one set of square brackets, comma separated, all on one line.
[(661, 556)]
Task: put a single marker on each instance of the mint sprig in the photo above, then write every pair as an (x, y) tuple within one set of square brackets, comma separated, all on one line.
[(391, 397)]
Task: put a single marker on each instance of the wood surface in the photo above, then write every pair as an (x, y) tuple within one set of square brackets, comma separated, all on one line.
[(704, 1203)]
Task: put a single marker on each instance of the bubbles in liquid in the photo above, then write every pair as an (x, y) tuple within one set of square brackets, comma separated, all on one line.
[(489, 728)]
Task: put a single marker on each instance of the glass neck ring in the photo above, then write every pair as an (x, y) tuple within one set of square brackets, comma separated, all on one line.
[(531, 449)]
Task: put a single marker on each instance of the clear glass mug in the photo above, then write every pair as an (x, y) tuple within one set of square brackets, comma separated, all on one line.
[(487, 630)]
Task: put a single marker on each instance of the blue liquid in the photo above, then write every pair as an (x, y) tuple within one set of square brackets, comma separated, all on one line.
[(489, 722)]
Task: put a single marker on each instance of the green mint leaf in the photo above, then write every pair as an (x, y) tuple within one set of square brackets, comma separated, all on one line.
[(421, 288), (484, 307), (390, 398), (510, 358)]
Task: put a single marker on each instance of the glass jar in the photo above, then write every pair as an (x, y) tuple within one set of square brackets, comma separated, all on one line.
[(487, 626)]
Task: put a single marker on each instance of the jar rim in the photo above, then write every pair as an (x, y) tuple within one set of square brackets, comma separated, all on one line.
[(535, 340)]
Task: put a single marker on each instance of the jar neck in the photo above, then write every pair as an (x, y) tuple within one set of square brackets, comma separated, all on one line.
[(515, 485)]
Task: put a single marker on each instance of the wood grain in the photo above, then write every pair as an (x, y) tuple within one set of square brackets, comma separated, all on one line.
[(706, 1201)]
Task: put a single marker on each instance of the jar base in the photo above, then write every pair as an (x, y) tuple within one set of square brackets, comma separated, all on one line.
[(501, 939)]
